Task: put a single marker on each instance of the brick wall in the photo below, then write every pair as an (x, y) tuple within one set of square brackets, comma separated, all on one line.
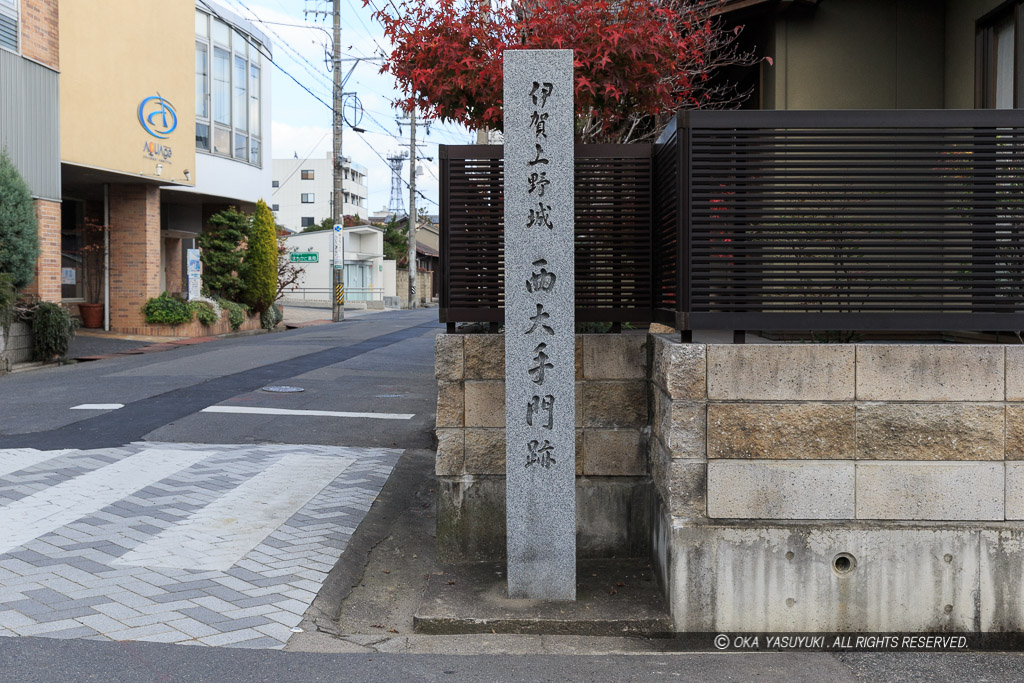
[(134, 253), (40, 37), (173, 268), (46, 284)]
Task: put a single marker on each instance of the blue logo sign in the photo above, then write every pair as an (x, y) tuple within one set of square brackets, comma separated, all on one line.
[(157, 116)]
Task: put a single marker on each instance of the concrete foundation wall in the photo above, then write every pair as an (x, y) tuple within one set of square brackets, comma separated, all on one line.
[(838, 487)]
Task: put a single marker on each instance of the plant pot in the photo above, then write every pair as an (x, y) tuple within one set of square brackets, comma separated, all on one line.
[(92, 315)]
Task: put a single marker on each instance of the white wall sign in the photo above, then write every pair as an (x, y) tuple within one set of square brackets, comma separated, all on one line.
[(194, 268), (339, 247)]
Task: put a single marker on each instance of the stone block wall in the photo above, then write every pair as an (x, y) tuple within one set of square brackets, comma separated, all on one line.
[(17, 347), (611, 443), (816, 432), (773, 462)]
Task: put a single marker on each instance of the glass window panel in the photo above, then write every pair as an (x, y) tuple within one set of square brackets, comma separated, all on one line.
[(202, 24), (72, 267), (254, 151), (222, 86), (307, 221), (254, 99), (221, 33), (8, 25), (240, 118), (222, 141), (239, 43), (202, 80), (241, 146), (1004, 35), (203, 136)]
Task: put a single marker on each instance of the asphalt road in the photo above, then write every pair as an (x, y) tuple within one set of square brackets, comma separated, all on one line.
[(377, 364), (36, 660)]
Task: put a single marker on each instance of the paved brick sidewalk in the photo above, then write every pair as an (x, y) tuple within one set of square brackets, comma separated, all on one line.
[(184, 543)]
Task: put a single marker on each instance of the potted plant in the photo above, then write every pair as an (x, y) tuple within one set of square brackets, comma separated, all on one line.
[(95, 262)]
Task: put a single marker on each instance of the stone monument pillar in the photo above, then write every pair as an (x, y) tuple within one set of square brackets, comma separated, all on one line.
[(540, 302)]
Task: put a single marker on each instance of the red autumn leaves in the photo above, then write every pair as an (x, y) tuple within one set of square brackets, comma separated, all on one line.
[(634, 59)]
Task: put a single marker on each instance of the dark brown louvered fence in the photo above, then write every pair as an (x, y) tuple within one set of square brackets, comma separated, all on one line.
[(775, 220), (613, 233)]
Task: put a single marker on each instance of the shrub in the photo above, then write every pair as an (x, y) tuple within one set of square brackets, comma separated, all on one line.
[(19, 231), (167, 310), (6, 303), (52, 330), (271, 317), (236, 312), (259, 269), (222, 251), (204, 312)]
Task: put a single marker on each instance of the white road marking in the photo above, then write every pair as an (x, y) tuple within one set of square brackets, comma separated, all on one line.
[(98, 406), (47, 510), (305, 413), (15, 459), (217, 536)]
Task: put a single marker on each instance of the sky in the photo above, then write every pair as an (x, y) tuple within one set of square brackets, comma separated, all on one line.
[(302, 125)]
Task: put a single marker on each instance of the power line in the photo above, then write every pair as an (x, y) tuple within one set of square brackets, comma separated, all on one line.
[(366, 28), (311, 93), (311, 68), (282, 183)]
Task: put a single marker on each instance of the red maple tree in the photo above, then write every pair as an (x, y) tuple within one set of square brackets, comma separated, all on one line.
[(635, 60)]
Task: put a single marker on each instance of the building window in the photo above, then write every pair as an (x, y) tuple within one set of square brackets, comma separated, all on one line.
[(307, 221), (227, 91), (307, 198), (275, 183), (275, 207), (999, 78), (307, 174), (9, 27)]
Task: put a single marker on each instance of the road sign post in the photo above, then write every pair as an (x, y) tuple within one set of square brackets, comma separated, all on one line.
[(337, 272)]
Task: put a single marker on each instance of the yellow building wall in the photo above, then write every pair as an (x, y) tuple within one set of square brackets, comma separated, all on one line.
[(115, 54)]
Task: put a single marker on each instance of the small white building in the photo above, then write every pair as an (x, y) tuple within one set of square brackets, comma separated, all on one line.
[(303, 191), (369, 277)]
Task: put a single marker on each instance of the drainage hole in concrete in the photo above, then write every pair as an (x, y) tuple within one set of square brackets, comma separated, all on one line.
[(844, 563)]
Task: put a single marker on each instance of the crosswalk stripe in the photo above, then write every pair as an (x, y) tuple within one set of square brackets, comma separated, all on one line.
[(49, 509), (220, 534), (306, 413)]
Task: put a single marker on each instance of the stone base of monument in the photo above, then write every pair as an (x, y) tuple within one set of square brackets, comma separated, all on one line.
[(613, 598)]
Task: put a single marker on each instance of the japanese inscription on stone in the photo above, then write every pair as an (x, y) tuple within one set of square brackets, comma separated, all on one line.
[(539, 325)]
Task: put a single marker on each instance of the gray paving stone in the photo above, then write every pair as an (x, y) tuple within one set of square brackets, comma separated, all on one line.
[(68, 583)]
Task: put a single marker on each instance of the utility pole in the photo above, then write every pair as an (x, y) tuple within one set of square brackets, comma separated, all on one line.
[(412, 209), (338, 272)]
